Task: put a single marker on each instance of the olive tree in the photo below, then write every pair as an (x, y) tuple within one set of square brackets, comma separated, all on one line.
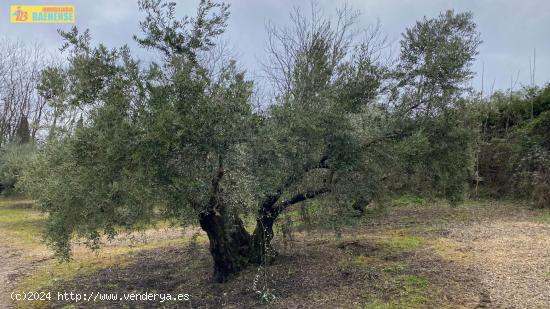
[(433, 77), (177, 138)]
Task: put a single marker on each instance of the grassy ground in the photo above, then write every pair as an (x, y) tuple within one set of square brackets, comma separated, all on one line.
[(30, 266), (19, 224), (412, 254)]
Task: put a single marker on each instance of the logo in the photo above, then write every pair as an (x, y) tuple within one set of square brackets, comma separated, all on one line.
[(20, 15), (42, 14)]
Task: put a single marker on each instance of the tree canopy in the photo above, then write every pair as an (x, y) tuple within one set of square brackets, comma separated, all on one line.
[(179, 139)]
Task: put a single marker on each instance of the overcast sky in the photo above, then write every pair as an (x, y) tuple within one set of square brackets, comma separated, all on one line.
[(510, 29)]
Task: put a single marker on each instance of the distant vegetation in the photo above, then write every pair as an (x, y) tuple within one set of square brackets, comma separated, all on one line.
[(514, 158)]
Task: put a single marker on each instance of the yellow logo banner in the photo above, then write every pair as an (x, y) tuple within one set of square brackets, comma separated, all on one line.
[(42, 14)]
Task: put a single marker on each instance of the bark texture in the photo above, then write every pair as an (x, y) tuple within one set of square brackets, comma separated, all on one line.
[(231, 246)]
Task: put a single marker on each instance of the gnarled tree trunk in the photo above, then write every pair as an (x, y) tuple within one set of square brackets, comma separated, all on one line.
[(231, 246), (261, 250), (229, 243), (229, 240)]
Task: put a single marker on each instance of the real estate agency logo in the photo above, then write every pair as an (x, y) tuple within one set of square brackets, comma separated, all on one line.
[(20, 15), (42, 14)]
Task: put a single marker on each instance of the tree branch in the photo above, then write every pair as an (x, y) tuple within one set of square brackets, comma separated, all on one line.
[(300, 197), (214, 201), (271, 199), (219, 174), (385, 137)]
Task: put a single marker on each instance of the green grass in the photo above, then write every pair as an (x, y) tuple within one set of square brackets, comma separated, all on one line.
[(384, 259), (415, 290), (414, 293), (402, 243), (488, 203), (86, 262), (15, 202), (378, 304), (410, 199), (543, 217), (394, 268), (20, 225), (358, 262)]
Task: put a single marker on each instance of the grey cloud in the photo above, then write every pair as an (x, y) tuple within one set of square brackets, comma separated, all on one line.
[(510, 29)]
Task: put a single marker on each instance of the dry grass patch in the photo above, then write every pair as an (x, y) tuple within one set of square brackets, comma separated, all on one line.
[(451, 250)]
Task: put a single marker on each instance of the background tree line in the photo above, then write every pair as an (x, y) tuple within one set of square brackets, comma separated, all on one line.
[(125, 141), (24, 113), (514, 145)]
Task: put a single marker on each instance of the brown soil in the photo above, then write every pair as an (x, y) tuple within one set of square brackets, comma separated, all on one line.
[(512, 259), (14, 265), (499, 258), (302, 277)]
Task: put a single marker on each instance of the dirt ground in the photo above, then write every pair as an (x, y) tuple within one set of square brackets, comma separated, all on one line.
[(513, 260), (11, 268), (15, 262), (415, 256), (19, 260)]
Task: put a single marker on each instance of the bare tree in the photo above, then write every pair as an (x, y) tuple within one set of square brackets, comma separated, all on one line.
[(348, 43), (20, 69), (286, 44)]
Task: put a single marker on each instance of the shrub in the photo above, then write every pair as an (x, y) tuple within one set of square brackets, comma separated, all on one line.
[(13, 159)]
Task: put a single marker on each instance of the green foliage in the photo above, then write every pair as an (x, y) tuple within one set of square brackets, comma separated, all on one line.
[(181, 139), (514, 157), (438, 159), (181, 37), (14, 158), (436, 58), (153, 139)]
